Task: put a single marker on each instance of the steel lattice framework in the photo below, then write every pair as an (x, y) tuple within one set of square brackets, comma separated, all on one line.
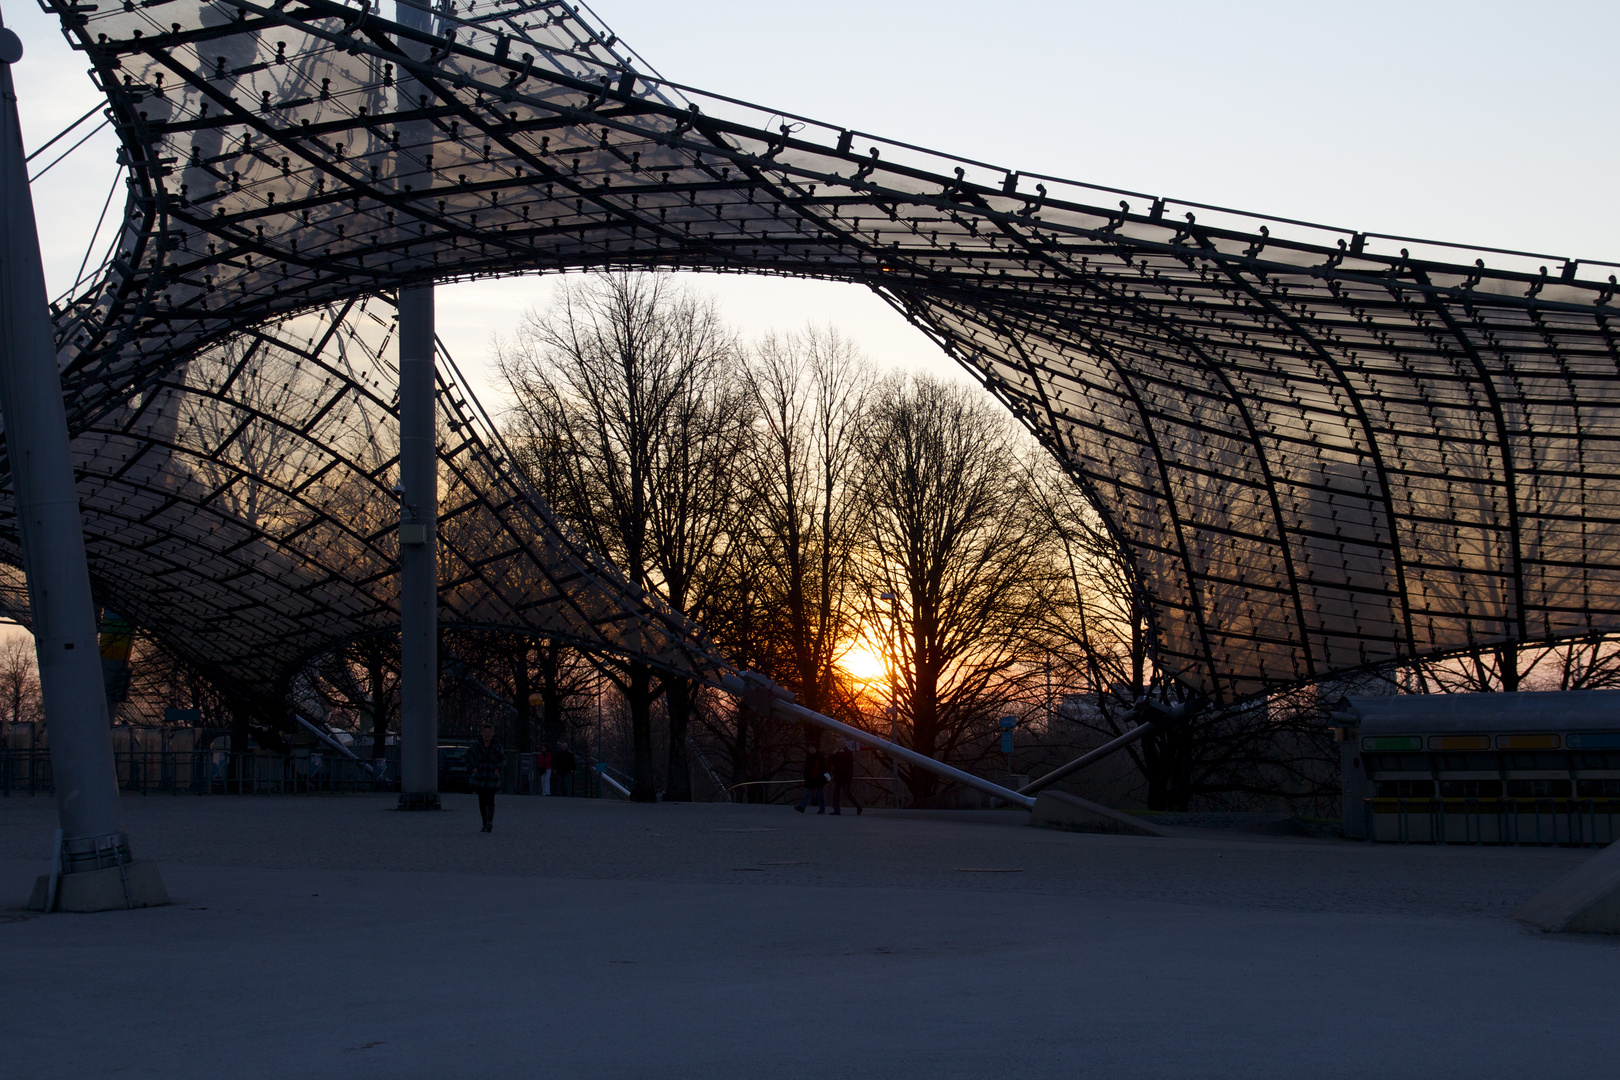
[(1321, 449)]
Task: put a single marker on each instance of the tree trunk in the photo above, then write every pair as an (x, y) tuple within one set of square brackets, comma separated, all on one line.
[(1155, 761), (924, 732), (1167, 759), (1181, 737), (678, 785), (241, 765), (1508, 664), (520, 697), (551, 694), (739, 752), (639, 698), (379, 703)]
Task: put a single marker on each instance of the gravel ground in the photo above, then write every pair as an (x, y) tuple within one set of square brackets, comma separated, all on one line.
[(334, 937), (714, 843)]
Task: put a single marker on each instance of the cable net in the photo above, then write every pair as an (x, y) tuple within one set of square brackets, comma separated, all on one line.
[(1321, 449)]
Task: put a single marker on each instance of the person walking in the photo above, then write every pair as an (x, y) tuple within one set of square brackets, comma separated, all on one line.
[(542, 769), (842, 769), (815, 781), (485, 760), (563, 764)]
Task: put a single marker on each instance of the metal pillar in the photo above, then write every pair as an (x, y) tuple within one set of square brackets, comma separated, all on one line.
[(418, 562), (419, 500), (64, 617)]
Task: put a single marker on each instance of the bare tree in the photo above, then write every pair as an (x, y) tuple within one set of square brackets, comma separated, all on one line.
[(1101, 628), (161, 679), (517, 672), (19, 684), (953, 536), (810, 391), (1258, 751), (1585, 663), (754, 747), (364, 676), (630, 390)]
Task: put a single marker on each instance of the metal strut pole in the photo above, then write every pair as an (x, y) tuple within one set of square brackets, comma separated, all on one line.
[(419, 510), (418, 565), (1163, 716), (1105, 750), (766, 697), (64, 615)]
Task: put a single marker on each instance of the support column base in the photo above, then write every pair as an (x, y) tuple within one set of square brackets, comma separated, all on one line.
[(104, 889), (1585, 902), (418, 800)]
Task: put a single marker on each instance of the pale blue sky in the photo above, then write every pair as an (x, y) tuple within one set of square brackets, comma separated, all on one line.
[(1488, 123)]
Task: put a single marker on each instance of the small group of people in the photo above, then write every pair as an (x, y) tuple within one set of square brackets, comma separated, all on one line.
[(555, 766), (486, 761), (486, 765), (837, 769)]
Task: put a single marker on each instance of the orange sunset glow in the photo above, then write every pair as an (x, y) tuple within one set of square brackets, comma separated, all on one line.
[(862, 663)]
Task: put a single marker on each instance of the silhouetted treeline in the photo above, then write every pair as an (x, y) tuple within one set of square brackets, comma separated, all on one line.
[(814, 512)]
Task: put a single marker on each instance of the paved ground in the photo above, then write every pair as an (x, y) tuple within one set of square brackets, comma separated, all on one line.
[(333, 937)]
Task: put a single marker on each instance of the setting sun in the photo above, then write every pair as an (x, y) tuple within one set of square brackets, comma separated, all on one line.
[(862, 663)]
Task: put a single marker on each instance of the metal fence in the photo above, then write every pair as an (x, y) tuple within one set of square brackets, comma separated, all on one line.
[(27, 771), (205, 772)]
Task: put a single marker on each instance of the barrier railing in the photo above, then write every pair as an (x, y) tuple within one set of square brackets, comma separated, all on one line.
[(204, 772), (27, 771), (24, 771)]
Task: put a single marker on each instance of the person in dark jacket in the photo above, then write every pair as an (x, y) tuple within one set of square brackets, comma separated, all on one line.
[(842, 767), (815, 781), (485, 760), (563, 764)]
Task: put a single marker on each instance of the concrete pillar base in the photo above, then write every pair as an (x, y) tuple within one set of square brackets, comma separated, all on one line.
[(1057, 810), (1585, 902), (418, 800), (104, 889)]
